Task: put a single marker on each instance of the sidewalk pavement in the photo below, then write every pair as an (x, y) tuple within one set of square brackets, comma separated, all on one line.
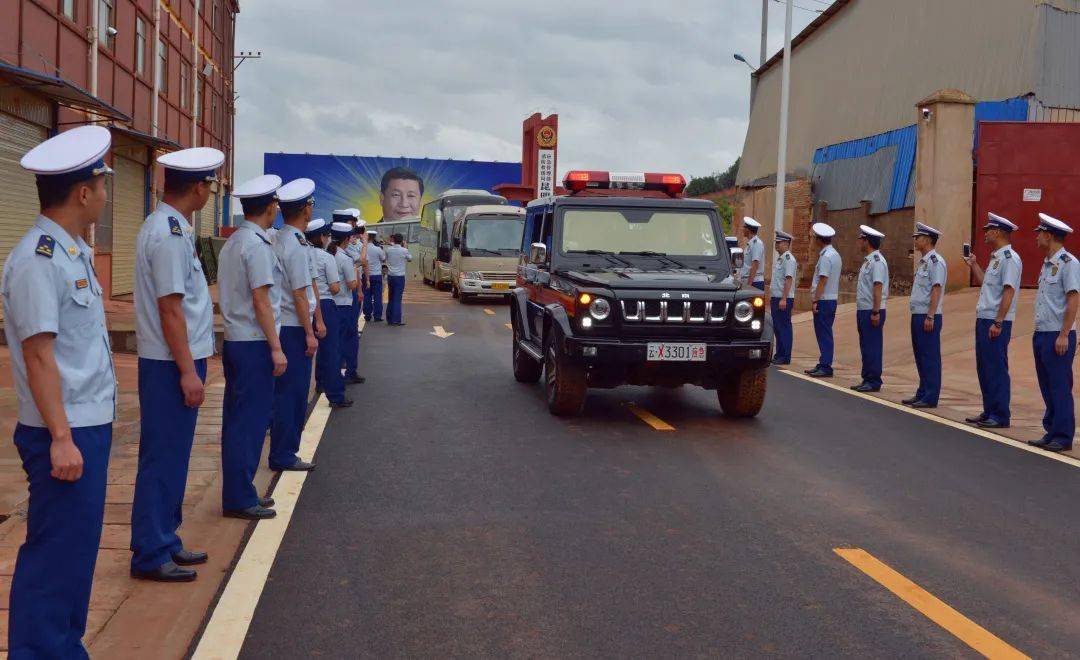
[(960, 396)]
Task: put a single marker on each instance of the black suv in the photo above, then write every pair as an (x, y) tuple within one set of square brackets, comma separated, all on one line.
[(627, 288)]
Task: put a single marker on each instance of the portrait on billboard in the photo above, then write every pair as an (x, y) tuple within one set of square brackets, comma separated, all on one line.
[(400, 192)]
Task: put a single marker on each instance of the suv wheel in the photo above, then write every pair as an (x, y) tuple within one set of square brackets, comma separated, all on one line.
[(565, 384), (454, 291), (744, 394), (526, 369)]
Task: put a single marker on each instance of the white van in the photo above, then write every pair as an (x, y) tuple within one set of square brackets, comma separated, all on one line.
[(486, 245)]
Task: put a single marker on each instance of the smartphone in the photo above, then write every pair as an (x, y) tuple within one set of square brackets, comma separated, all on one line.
[(967, 249)]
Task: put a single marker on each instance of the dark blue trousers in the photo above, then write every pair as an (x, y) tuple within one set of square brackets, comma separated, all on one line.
[(249, 400), (328, 360), (290, 399), (396, 284), (823, 322), (870, 341), (781, 321), (350, 345), (167, 430), (1055, 382), (760, 284), (927, 349), (992, 367), (373, 298), (50, 590)]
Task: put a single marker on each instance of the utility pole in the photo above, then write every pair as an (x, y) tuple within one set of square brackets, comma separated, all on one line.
[(781, 155), (764, 31)]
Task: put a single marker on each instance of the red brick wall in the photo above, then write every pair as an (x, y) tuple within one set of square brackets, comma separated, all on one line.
[(896, 247)]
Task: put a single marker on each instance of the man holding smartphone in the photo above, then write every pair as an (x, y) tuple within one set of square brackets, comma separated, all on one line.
[(994, 316)]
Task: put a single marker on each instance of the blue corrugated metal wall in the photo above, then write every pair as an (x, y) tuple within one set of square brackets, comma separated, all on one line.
[(904, 139)]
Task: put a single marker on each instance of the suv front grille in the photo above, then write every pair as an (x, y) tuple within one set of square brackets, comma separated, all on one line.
[(673, 311)]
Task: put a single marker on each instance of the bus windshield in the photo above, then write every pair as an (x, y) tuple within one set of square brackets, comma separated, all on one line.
[(493, 234)]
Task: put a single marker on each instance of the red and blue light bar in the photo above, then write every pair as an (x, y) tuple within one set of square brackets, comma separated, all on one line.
[(578, 180)]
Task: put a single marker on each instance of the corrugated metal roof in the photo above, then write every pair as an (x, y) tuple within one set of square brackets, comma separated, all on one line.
[(904, 139), (1057, 59), (844, 183)]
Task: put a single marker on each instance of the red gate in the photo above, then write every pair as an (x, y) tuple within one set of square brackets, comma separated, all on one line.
[(1023, 168)]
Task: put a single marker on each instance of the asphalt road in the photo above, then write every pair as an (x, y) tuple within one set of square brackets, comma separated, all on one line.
[(452, 516)]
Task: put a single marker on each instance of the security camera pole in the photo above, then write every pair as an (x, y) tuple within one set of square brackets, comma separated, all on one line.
[(781, 156)]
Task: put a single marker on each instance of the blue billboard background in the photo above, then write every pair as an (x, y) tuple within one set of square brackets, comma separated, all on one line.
[(353, 181)]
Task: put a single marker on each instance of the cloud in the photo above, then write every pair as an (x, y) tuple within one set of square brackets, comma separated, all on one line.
[(637, 84)]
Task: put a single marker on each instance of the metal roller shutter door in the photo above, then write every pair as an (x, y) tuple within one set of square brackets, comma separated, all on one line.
[(18, 201), (129, 193)]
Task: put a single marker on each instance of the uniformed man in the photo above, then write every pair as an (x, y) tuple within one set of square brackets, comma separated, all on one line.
[(341, 234), (994, 316), (1054, 340), (927, 300), (350, 346), (824, 290), (252, 355), (871, 293), (753, 270), (174, 325), (54, 322), (327, 281), (782, 297), (301, 326), (375, 260)]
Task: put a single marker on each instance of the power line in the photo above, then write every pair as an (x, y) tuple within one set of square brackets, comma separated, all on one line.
[(812, 11)]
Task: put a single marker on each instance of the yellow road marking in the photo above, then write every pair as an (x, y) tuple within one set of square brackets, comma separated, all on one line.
[(649, 418), (930, 606), (509, 326), (974, 430), (224, 634), (489, 312)]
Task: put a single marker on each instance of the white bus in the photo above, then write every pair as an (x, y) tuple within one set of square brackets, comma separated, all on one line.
[(436, 227)]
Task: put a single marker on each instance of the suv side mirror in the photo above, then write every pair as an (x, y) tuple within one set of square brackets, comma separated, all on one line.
[(737, 258), (537, 254)]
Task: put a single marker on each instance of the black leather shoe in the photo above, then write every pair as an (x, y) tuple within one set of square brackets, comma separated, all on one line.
[(266, 502), (298, 466), (991, 424), (344, 403), (781, 363), (910, 400), (167, 572), (189, 558), (354, 379), (866, 387), (818, 373), (923, 404), (1056, 446), (256, 512), (981, 417), (1040, 443)]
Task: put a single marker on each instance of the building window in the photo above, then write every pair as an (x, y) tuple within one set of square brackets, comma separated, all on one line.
[(213, 115), (68, 9), (103, 228), (140, 45), (163, 66), (185, 84), (106, 19), (213, 17)]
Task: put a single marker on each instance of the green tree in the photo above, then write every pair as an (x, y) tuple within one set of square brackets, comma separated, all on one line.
[(703, 185)]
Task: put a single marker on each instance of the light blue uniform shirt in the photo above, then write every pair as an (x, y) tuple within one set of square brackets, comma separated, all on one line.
[(828, 265), (346, 269), (930, 272), (1004, 270), (784, 267), (165, 264), (376, 259), (874, 269), (50, 286), (1060, 275), (246, 263), (353, 250), (292, 251), (326, 272), (396, 259), (755, 251)]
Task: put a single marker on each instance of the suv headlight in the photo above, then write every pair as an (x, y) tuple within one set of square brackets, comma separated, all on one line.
[(744, 311), (600, 309)]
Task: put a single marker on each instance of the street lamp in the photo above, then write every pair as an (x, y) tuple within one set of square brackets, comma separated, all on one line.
[(740, 58)]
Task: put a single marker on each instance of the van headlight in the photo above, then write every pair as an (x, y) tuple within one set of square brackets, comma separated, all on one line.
[(744, 311), (472, 275), (600, 309)]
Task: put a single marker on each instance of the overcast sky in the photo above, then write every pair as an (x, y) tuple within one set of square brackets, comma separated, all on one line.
[(637, 84)]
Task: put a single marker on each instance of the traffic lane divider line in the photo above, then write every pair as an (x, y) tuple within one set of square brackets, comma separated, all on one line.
[(963, 628), (224, 634), (509, 326), (974, 430), (649, 418), (489, 312)]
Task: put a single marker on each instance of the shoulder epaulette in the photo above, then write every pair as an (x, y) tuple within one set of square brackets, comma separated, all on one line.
[(174, 227), (301, 239), (877, 257), (1008, 254), (933, 258), (787, 255), (45, 246), (1066, 257)]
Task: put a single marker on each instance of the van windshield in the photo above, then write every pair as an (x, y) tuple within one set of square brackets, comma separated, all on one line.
[(493, 234), (628, 231)]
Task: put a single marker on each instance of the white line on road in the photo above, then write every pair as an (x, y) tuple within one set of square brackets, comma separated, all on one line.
[(224, 634), (440, 332), (974, 430)]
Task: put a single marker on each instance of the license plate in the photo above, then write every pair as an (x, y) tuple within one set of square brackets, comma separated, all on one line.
[(502, 286), (661, 352)]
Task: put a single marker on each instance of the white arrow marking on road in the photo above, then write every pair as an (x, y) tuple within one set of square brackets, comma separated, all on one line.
[(440, 332)]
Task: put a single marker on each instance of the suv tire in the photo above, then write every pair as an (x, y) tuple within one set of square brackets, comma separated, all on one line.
[(526, 369), (744, 394), (564, 382)]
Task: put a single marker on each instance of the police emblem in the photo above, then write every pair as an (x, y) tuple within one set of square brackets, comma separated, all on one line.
[(1053, 271)]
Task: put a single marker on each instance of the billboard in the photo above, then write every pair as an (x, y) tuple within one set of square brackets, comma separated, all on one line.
[(390, 188)]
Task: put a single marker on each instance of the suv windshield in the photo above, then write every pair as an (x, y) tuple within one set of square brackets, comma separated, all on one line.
[(498, 234), (678, 233)]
